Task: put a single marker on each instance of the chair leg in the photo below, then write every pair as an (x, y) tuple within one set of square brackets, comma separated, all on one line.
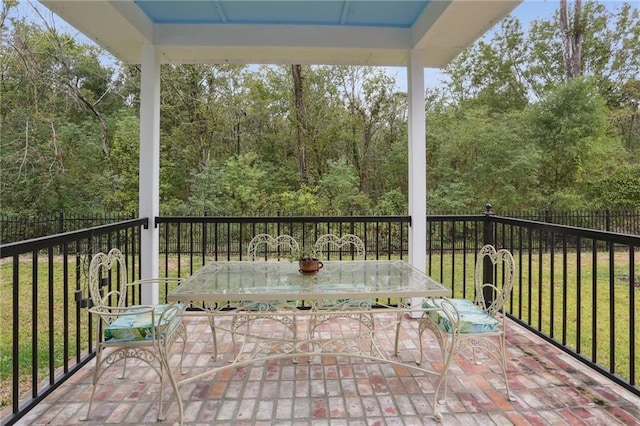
[(165, 369), (161, 414), (448, 349), (503, 364), (181, 333), (163, 359), (448, 353), (174, 385), (95, 382)]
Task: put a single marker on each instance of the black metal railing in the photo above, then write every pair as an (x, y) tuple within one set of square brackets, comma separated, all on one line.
[(577, 288), (190, 242), (49, 335), (19, 227), (15, 228)]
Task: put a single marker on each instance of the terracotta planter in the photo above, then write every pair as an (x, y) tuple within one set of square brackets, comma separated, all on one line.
[(309, 266)]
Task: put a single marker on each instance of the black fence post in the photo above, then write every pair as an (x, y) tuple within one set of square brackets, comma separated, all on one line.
[(487, 266), (61, 222), (205, 237), (547, 236)]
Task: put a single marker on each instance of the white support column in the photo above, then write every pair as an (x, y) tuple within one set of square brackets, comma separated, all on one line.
[(149, 190), (417, 167)]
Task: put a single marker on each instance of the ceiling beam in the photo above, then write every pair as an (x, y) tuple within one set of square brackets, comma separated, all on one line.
[(282, 36), (459, 24)]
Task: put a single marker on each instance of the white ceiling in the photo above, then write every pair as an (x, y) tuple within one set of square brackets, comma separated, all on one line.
[(330, 32)]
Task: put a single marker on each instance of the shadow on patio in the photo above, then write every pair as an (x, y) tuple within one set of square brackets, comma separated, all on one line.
[(550, 386)]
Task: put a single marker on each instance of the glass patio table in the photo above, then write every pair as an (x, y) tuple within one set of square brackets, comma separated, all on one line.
[(248, 290), (223, 283)]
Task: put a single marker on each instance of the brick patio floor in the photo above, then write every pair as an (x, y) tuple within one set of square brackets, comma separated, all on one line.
[(550, 387)]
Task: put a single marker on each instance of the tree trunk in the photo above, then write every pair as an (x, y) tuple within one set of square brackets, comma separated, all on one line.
[(572, 38), (296, 71)]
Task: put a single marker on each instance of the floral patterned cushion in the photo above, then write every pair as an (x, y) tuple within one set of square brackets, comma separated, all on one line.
[(472, 318), (138, 326)]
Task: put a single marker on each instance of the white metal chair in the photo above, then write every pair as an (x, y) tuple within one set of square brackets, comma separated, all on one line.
[(268, 248), (474, 325), (330, 246), (143, 332)]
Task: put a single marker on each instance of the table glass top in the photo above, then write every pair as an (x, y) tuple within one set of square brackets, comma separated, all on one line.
[(259, 280)]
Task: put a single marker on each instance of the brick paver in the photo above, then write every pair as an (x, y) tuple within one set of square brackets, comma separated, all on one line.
[(550, 389)]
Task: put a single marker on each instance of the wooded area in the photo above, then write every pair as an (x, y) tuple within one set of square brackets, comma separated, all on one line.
[(513, 126)]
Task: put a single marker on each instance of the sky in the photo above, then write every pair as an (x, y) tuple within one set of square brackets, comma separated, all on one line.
[(526, 12)]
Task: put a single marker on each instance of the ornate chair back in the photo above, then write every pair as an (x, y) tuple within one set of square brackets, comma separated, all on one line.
[(349, 245), (101, 274), (264, 246), (491, 297)]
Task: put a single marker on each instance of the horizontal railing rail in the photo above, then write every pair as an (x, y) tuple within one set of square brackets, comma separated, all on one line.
[(14, 227), (19, 228)]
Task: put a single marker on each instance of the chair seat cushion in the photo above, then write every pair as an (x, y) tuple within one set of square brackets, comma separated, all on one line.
[(137, 324), (472, 318)]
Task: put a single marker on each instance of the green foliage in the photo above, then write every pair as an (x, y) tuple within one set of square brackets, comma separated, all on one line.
[(304, 253), (303, 202), (391, 203), (451, 196), (55, 95), (230, 187), (504, 129), (620, 190), (339, 186), (479, 157), (487, 73), (570, 129), (125, 149)]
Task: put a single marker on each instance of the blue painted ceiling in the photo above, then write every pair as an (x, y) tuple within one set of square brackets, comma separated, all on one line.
[(328, 32), (354, 13)]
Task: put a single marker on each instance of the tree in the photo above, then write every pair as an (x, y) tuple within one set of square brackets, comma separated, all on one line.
[(570, 128), (620, 190), (231, 187), (491, 73), (340, 187), (572, 30), (56, 94), (298, 96), (478, 157), (372, 107), (609, 49)]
